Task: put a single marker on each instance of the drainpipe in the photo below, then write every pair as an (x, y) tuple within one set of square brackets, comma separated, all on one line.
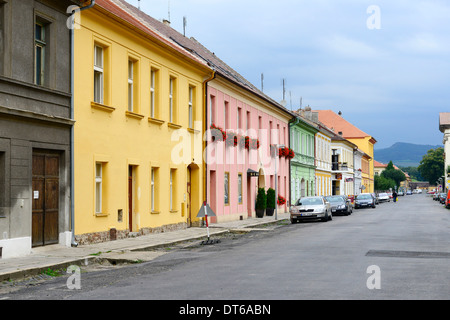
[(72, 85), (205, 90)]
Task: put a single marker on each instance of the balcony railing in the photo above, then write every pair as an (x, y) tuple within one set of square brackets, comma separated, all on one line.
[(337, 166)]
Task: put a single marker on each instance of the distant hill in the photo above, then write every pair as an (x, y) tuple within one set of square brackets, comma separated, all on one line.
[(403, 154)]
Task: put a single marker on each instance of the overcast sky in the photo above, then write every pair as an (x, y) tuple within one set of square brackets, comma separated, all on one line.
[(384, 64)]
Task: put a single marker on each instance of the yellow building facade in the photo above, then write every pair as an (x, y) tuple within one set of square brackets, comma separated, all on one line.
[(366, 144), (138, 107)]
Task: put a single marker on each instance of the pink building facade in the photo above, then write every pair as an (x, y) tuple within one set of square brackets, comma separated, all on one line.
[(235, 169)]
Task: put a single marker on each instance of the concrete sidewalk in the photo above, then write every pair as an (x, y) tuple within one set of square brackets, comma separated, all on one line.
[(130, 249)]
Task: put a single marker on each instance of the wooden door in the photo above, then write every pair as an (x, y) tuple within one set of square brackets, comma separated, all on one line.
[(188, 200), (45, 195)]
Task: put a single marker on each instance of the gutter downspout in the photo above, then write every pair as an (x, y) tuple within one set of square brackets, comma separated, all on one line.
[(205, 103), (72, 86)]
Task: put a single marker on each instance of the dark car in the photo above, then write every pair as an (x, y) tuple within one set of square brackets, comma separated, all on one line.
[(364, 200), (436, 196), (442, 197), (447, 200), (339, 205)]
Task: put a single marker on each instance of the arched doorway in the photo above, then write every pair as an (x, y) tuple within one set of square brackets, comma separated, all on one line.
[(192, 194), (261, 179)]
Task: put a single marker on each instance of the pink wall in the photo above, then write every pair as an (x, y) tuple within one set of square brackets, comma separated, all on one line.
[(235, 160)]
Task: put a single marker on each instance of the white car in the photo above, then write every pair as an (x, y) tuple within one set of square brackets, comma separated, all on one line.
[(384, 197)]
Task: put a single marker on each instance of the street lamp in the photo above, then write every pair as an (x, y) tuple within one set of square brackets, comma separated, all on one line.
[(277, 146)]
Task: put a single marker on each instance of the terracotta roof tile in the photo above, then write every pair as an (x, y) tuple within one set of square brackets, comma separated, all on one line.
[(339, 124), (189, 45), (377, 164)]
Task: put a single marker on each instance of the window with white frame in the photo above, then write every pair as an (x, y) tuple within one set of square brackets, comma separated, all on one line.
[(171, 190), (153, 83), (172, 105), (130, 85), (191, 107), (152, 189), (98, 187), (98, 74)]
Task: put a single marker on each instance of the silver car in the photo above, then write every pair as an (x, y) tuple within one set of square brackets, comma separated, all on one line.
[(364, 200), (310, 208)]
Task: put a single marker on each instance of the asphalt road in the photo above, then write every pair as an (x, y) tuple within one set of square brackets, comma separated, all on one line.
[(395, 251)]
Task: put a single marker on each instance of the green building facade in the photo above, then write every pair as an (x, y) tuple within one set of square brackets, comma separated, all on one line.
[(302, 141)]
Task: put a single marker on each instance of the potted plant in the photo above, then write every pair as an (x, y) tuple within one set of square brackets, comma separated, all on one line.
[(270, 202), (218, 134), (261, 202)]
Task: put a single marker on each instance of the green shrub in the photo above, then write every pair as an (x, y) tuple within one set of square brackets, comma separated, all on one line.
[(271, 198), (261, 199)]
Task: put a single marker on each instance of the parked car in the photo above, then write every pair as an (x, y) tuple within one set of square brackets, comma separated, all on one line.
[(436, 196), (349, 200), (340, 205), (383, 197), (390, 195), (442, 197), (375, 198), (310, 208), (364, 200), (447, 200), (408, 192)]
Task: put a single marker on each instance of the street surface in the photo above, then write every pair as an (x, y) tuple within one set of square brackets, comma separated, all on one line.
[(395, 251)]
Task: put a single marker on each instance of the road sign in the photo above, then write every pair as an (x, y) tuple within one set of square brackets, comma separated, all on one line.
[(209, 212), (206, 211)]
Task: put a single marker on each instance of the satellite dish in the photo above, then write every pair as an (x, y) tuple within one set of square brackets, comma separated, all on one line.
[(283, 103)]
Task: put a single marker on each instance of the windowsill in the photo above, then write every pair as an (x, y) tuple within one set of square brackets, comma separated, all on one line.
[(155, 121), (102, 107), (134, 115), (155, 212), (173, 125), (101, 215), (173, 211), (193, 130)]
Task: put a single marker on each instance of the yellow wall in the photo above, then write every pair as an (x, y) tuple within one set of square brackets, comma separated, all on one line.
[(366, 145), (109, 134)]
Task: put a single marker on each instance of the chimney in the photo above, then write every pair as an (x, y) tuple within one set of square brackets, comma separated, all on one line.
[(308, 113)]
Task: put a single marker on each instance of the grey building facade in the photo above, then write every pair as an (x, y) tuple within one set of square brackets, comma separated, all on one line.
[(35, 125)]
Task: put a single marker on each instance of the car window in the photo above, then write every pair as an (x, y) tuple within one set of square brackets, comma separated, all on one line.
[(334, 199), (309, 201)]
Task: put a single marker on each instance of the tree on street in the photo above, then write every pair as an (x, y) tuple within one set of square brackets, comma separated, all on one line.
[(432, 165), (390, 173)]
